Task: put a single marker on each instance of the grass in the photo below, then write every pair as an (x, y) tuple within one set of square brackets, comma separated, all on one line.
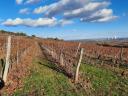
[(45, 81), (104, 81)]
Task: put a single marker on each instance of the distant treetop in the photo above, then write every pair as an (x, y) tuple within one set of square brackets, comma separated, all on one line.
[(12, 33)]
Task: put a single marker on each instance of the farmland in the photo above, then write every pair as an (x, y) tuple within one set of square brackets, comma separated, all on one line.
[(44, 67), (64, 48)]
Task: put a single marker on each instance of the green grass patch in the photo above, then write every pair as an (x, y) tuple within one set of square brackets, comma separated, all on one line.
[(44, 81), (104, 81)]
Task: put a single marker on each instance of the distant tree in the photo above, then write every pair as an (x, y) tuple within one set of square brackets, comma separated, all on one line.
[(33, 35), (21, 34), (12, 33), (2, 31), (56, 38)]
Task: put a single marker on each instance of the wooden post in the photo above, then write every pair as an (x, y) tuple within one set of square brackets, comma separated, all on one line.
[(1, 67), (61, 60), (52, 53), (78, 66), (17, 61), (7, 59), (121, 56), (78, 49)]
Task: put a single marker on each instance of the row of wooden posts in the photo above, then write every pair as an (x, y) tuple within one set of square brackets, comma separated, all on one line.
[(4, 72), (54, 55), (7, 64)]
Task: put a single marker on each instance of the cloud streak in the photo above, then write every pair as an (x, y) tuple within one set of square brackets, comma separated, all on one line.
[(24, 11), (32, 1), (67, 10), (19, 1), (40, 22), (27, 1), (84, 10), (60, 7)]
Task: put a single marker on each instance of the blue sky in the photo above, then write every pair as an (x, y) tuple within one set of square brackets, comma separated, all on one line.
[(67, 19)]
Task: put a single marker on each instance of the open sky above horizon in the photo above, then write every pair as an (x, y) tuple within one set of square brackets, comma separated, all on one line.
[(66, 19)]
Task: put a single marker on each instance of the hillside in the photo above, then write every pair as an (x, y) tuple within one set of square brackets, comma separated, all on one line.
[(47, 67)]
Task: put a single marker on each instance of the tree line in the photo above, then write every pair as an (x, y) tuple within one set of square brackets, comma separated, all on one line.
[(13, 33)]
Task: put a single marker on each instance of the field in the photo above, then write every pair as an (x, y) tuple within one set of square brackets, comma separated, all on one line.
[(43, 67)]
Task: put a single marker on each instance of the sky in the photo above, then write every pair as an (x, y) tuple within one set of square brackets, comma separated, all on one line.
[(66, 19)]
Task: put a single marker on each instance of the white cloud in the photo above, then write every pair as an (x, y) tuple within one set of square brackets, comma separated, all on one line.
[(85, 10), (106, 19), (62, 6), (65, 22), (24, 11), (27, 1), (40, 22), (15, 22), (32, 1), (19, 1), (67, 10), (40, 9), (102, 15)]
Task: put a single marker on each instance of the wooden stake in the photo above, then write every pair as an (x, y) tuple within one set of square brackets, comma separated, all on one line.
[(78, 49), (121, 54), (121, 57), (17, 61), (7, 59), (61, 60), (1, 67), (78, 66)]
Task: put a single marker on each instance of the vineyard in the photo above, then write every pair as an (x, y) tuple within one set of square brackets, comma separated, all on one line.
[(42, 67), (93, 53)]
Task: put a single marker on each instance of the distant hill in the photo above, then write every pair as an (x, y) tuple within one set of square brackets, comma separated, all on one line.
[(102, 39), (3, 32)]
